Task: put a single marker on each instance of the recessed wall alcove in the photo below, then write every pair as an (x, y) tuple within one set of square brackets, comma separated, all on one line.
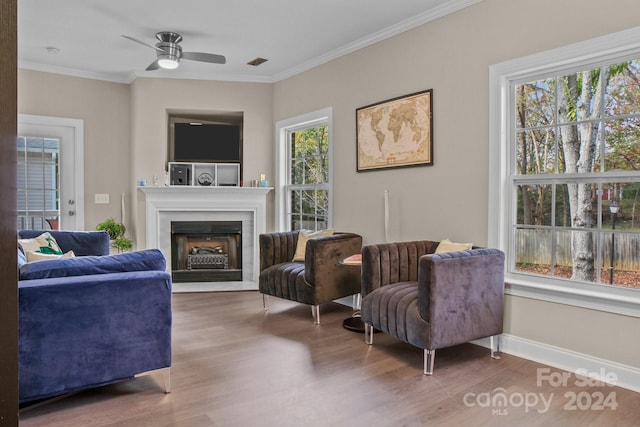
[(229, 118)]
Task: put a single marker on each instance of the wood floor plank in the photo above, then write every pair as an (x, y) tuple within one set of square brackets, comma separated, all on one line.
[(237, 365)]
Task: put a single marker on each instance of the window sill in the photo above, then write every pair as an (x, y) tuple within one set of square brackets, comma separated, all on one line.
[(606, 298)]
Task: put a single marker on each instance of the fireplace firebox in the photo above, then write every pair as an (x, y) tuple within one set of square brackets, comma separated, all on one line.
[(206, 251)]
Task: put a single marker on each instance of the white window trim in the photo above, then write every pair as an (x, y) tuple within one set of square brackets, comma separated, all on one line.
[(618, 46), (303, 121)]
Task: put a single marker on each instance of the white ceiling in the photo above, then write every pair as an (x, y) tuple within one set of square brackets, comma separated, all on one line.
[(294, 35)]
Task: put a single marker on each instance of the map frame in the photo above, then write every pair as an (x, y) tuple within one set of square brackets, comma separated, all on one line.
[(405, 158)]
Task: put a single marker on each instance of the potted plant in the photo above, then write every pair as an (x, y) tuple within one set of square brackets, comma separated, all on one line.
[(116, 232)]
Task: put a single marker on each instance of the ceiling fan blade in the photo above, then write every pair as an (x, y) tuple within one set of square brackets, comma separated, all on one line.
[(204, 57), (153, 66), (143, 43)]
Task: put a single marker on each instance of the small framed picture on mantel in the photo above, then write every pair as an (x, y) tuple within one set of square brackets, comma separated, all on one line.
[(394, 133)]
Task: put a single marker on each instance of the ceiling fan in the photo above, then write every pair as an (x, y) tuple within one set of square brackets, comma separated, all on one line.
[(170, 52)]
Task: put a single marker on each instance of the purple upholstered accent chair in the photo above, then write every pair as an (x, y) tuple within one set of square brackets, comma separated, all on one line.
[(431, 300)]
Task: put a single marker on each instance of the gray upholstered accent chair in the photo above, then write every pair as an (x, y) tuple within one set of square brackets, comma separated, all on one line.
[(431, 300), (319, 279)]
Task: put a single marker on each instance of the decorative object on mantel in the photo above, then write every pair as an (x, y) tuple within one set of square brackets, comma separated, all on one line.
[(116, 231), (396, 132), (204, 174)]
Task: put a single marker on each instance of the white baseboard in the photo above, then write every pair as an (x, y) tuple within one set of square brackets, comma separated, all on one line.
[(627, 377)]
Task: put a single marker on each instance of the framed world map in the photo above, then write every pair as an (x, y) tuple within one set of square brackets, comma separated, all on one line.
[(395, 133)]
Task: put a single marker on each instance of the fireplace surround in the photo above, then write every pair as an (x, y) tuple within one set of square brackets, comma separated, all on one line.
[(165, 205)]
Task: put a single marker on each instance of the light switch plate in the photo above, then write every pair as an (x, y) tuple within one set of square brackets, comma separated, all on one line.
[(102, 199)]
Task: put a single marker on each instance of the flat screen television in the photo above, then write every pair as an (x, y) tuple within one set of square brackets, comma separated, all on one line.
[(207, 143)]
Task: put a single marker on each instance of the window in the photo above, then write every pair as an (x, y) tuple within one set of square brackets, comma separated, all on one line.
[(565, 173), (38, 183), (304, 172)]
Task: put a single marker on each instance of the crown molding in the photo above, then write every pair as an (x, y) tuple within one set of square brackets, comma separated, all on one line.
[(110, 77)]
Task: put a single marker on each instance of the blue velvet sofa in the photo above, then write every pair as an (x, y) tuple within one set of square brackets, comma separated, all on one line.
[(91, 320)]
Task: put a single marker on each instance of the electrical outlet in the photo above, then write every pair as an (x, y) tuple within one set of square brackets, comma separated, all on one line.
[(102, 199)]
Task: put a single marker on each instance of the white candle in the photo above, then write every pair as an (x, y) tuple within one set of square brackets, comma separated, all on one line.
[(386, 215)]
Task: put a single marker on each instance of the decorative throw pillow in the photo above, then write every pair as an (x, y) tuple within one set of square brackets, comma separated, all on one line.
[(38, 256), (303, 237), (44, 244), (448, 246)]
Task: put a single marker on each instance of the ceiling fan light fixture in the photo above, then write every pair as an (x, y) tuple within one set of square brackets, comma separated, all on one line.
[(169, 55), (169, 52), (169, 62)]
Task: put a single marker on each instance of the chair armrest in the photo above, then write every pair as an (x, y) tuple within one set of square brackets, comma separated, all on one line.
[(276, 248), (386, 263), (323, 255), (463, 290)]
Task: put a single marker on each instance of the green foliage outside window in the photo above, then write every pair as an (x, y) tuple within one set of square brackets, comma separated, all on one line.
[(577, 136), (309, 174)]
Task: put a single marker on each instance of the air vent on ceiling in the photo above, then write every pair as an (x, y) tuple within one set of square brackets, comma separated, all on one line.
[(257, 61)]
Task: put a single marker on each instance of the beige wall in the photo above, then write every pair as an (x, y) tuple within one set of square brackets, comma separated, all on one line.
[(150, 100), (104, 108), (449, 199)]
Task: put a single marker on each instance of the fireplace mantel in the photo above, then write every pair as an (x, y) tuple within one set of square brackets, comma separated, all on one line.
[(192, 203)]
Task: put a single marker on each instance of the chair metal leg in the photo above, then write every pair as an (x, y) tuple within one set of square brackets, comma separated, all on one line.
[(356, 302), (165, 374), (494, 343), (429, 357), (265, 302), (166, 378), (315, 312), (368, 334)]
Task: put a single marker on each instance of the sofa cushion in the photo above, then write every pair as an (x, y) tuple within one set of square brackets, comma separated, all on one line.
[(148, 259), (44, 244), (38, 256), (303, 237)]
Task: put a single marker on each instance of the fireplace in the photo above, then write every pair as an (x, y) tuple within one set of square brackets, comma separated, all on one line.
[(206, 251), (165, 205)]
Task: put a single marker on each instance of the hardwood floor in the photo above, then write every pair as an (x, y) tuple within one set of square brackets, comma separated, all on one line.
[(236, 365)]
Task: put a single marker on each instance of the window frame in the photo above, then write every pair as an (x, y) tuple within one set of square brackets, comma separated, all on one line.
[(611, 48), (48, 183), (283, 156)]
